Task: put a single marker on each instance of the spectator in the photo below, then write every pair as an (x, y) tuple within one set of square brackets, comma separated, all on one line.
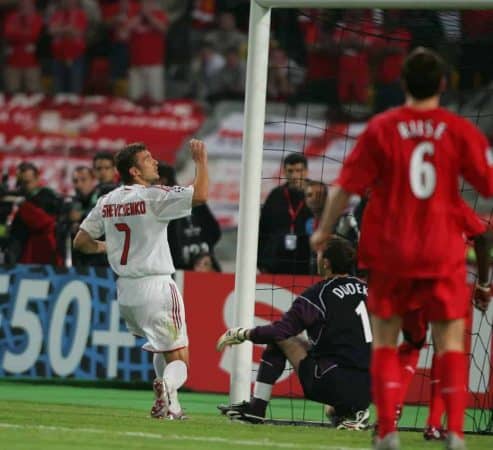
[(227, 35), (85, 198), (192, 235), (33, 231), (205, 67), (202, 19), (68, 26), (117, 16), (286, 31), (476, 62), (22, 30), (94, 31), (178, 49), (103, 165), (425, 28), (205, 262), (450, 47), (321, 57), (284, 76), (391, 49), (315, 195), (283, 241), (84, 184), (229, 82), (354, 35), (147, 52)]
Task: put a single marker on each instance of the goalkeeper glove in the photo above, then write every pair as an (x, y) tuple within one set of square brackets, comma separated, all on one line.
[(232, 336)]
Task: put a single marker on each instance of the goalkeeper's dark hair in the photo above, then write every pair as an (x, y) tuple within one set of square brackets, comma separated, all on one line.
[(341, 255), (295, 158), (125, 159), (422, 73)]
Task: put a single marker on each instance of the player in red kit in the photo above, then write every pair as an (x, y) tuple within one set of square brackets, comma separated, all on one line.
[(415, 325), (410, 159)]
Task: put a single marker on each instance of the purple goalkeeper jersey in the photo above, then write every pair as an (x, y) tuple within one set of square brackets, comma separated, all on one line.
[(333, 313)]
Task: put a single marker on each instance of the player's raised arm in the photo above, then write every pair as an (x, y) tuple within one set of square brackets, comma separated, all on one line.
[(201, 182)]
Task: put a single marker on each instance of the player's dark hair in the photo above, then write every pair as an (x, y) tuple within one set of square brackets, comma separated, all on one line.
[(125, 159), (422, 73), (295, 158), (104, 154), (341, 255)]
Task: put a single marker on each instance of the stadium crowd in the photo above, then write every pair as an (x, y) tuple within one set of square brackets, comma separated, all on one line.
[(152, 50)]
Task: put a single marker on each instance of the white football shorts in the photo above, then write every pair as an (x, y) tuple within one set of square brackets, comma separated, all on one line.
[(152, 307)]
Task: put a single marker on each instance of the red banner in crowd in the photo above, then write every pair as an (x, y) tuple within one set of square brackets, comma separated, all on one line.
[(209, 300), (61, 132)]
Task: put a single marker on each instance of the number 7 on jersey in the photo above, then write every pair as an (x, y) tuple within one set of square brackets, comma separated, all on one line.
[(124, 228)]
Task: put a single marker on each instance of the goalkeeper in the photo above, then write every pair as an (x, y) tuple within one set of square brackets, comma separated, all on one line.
[(333, 366)]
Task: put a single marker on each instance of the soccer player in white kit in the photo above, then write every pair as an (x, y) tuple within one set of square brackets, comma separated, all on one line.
[(134, 219)]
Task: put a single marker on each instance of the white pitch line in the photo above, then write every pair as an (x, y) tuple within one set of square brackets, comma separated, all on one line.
[(177, 437)]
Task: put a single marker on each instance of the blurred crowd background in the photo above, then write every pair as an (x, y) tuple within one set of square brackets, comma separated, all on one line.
[(152, 50)]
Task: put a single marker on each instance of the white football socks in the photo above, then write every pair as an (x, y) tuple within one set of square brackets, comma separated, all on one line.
[(175, 374), (159, 364)]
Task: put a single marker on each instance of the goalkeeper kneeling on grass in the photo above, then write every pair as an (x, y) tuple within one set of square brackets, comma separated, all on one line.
[(333, 366)]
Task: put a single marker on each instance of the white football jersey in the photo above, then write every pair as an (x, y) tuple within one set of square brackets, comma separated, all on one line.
[(134, 219)]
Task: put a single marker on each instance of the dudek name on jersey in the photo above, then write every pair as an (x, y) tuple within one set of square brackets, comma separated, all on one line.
[(124, 209), (350, 289)]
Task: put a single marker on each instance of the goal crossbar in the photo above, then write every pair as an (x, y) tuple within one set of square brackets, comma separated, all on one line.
[(371, 4)]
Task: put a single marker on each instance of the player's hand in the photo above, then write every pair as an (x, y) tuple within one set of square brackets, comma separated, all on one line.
[(199, 153), (232, 336), (319, 240), (482, 297)]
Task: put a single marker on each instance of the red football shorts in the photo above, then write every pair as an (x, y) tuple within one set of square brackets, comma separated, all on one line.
[(443, 298)]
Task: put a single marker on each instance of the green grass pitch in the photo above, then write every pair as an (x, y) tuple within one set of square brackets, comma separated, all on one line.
[(51, 417)]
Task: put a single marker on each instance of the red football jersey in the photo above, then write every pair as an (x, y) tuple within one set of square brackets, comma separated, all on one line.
[(411, 162), (472, 225)]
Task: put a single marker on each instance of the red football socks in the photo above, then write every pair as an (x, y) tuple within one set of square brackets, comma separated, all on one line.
[(437, 406), (408, 360), (386, 387), (453, 378)]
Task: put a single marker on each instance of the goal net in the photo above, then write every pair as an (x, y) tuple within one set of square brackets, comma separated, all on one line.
[(329, 71)]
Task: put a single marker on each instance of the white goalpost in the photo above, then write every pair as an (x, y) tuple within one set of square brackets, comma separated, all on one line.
[(250, 183)]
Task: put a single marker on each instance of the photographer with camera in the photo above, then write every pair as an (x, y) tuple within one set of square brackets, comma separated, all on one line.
[(33, 230)]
